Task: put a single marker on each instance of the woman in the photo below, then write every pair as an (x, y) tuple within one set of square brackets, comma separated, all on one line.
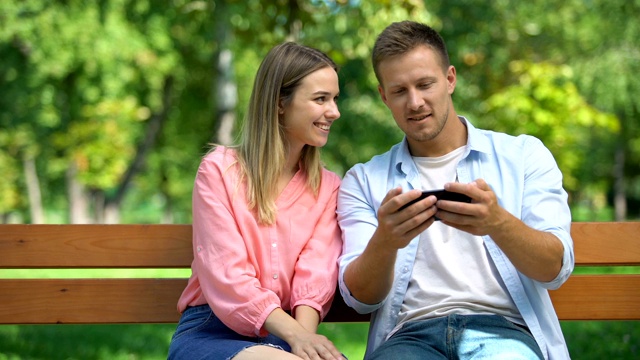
[(265, 235)]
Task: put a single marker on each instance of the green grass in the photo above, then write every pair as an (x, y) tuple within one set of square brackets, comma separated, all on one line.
[(587, 340), (85, 342)]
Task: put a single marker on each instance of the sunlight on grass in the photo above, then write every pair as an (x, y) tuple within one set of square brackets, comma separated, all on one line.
[(92, 273), (349, 338), (595, 270)]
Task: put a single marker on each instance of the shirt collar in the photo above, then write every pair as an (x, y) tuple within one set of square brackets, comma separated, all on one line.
[(476, 141)]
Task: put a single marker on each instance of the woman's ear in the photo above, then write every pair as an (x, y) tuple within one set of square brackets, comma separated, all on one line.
[(280, 107)]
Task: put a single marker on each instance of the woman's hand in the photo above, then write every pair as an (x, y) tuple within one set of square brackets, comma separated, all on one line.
[(310, 346), (300, 334)]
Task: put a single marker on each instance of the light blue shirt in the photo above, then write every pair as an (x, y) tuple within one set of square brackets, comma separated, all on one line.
[(524, 176)]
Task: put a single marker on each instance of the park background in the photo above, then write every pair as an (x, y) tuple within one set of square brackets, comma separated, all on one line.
[(106, 108)]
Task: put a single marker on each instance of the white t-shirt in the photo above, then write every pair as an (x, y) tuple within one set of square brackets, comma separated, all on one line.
[(453, 273)]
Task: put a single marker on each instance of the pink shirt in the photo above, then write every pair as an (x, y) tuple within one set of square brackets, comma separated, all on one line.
[(245, 270)]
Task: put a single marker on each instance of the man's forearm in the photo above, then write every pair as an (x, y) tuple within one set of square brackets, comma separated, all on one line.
[(370, 276), (536, 254)]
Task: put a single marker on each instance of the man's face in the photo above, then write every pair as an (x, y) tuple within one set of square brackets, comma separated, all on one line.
[(418, 92)]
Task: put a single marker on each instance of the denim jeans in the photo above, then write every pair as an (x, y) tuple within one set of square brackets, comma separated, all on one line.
[(201, 335), (459, 337)]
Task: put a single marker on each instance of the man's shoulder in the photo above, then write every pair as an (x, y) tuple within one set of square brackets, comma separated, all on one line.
[(379, 161), (501, 140)]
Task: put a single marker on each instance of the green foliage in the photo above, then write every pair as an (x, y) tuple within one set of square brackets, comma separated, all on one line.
[(544, 102), (82, 83)]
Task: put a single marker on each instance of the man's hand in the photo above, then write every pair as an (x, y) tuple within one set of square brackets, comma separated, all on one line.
[(396, 228), (483, 216), (536, 254)]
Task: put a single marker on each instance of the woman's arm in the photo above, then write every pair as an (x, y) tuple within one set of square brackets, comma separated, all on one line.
[(316, 269), (308, 317), (227, 277)]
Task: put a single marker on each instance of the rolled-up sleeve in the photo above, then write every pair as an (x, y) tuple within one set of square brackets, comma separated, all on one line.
[(545, 205), (358, 220)]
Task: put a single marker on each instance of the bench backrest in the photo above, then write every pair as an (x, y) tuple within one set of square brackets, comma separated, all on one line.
[(153, 300)]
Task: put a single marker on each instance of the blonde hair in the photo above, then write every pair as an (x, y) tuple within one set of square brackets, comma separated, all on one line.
[(262, 150)]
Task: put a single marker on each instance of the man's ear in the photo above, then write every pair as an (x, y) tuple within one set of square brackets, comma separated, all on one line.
[(451, 79), (382, 95)]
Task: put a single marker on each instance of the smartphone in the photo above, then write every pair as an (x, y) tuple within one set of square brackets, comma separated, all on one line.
[(440, 194)]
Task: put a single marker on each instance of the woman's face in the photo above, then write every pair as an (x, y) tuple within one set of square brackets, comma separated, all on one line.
[(307, 118)]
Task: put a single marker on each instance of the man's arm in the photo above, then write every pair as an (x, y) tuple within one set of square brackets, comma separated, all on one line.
[(536, 254), (370, 276)]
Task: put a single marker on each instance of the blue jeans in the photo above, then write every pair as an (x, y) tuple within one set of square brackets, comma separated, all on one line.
[(201, 335), (459, 337)]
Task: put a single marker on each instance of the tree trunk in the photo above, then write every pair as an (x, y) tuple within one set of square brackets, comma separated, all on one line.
[(619, 189), (154, 127), (225, 88), (33, 190), (111, 213), (293, 21), (78, 198)]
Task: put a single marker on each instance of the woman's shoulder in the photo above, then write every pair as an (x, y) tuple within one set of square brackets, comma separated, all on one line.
[(330, 179), (221, 155), (220, 160)]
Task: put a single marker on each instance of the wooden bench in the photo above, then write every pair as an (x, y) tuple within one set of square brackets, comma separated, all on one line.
[(153, 300)]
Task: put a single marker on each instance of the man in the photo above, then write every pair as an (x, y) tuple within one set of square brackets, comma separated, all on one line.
[(445, 279)]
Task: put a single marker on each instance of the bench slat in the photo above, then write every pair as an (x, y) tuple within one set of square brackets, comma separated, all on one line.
[(88, 301), (598, 297), (95, 246), (150, 246), (82, 301), (42, 301), (606, 243)]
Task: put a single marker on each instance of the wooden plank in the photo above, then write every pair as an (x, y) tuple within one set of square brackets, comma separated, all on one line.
[(133, 246), (37, 301), (598, 297), (95, 246), (84, 301), (606, 243)]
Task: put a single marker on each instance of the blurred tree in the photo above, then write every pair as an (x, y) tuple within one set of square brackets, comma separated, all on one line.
[(87, 94), (129, 94), (594, 53), (603, 46)]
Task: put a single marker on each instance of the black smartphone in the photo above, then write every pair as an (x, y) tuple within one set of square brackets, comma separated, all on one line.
[(440, 194)]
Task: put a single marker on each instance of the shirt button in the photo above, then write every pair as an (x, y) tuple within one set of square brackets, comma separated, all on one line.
[(275, 276), (405, 269), (274, 245)]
